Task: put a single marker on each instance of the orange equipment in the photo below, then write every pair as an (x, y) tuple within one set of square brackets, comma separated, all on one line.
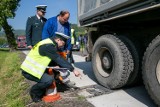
[(63, 54), (51, 93)]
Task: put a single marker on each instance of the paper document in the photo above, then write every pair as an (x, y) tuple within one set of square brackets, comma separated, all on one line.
[(58, 68)]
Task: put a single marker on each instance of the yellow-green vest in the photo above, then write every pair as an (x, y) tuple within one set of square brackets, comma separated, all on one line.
[(35, 64), (72, 37)]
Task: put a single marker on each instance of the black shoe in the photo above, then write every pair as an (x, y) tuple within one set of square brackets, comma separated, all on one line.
[(35, 98), (73, 61)]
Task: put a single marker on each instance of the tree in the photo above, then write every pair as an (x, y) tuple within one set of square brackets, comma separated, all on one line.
[(2, 40), (8, 8), (78, 30)]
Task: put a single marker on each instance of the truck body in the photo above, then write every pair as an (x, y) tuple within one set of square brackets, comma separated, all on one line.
[(124, 41), (21, 41)]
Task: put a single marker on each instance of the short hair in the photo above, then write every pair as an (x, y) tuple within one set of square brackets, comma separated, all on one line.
[(63, 12), (55, 37)]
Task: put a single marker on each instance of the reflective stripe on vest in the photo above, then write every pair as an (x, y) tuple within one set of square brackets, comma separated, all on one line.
[(35, 64), (36, 71)]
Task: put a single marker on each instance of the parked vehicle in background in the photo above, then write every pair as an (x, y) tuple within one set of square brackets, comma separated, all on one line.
[(5, 45), (21, 42), (76, 47), (124, 37)]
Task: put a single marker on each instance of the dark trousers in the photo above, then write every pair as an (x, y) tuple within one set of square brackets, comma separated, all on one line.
[(70, 56), (42, 84)]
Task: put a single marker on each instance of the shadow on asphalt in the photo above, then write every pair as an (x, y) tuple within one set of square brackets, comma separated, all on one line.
[(140, 94), (87, 69)]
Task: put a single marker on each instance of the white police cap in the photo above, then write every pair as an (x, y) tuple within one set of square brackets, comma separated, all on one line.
[(62, 35), (41, 7)]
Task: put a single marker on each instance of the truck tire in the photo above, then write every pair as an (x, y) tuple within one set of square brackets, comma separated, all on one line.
[(111, 61), (151, 70), (135, 75)]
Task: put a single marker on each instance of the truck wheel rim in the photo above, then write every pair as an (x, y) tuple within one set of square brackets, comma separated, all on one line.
[(158, 71), (104, 62)]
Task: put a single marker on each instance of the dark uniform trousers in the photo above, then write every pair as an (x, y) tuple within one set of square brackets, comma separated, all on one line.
[(70, 56), (39, 88)]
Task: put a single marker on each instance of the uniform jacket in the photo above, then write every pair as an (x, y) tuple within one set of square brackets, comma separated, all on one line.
[(50, 28), (40, 55), (34, 29)]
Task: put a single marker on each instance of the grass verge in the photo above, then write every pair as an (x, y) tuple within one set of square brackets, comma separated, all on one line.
[(4, 49), (12, 84)]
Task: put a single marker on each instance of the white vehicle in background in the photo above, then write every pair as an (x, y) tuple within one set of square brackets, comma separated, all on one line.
[(76, 47), (123, 41), (5, 45)]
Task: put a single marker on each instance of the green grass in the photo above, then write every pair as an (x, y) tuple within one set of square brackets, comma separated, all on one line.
[(4, 49), (12, 85), (81, 98)]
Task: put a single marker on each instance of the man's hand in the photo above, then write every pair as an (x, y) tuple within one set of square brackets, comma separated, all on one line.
[(30, 47), (76, 73)]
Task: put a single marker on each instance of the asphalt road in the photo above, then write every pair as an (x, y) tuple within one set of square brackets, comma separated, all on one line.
[(99, 96)]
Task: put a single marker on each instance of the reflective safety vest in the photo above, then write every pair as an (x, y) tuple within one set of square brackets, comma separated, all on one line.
[(72, 37), (35, 64)]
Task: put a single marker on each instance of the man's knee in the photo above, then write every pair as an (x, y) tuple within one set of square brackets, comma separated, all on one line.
[(47, 80)]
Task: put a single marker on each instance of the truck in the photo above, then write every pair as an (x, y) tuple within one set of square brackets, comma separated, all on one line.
[(123, 42), (21, 41)]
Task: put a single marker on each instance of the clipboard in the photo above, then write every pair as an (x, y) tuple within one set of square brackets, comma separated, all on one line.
[(59, 69)]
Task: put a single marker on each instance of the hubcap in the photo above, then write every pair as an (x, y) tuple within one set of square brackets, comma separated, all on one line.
[(104, 62), (158, 71)]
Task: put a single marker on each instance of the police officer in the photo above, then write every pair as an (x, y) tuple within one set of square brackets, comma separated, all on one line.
[(73, 37), (73, 42), (58, 23), (38, 59), (35, 25)]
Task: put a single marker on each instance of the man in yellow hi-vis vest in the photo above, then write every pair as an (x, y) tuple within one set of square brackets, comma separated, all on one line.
[(73, 39), (38, 59), (73, 36)]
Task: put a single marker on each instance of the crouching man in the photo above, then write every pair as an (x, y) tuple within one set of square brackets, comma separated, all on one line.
[(38, 59)]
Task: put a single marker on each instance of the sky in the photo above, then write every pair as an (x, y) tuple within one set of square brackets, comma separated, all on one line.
[(27, 8)]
